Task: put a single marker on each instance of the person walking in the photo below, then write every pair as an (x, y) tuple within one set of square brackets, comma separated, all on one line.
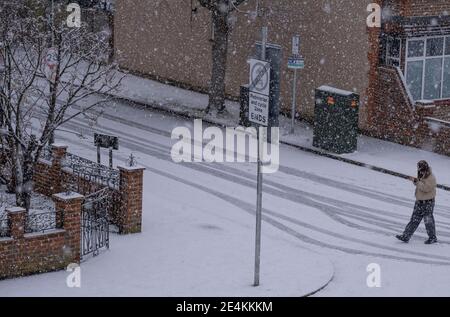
[(425, 199)]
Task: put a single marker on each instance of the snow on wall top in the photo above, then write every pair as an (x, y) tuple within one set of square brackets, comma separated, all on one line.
[(336, 90)]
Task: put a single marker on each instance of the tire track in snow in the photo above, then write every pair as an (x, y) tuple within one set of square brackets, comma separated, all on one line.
[(398, 200), (356, 208), (356, 213), (157, 153)]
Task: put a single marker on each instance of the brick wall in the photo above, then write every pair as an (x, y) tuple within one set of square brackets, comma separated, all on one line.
[(126, 202), (442, 110), (393, 116), (412, 8), (395, 6), (24, 254), (442, 141), (396, 119), (426, 7), (373, 55), (333, 57), (47, 178)]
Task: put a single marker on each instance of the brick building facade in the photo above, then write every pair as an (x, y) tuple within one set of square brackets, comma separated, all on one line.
[(394, 68), (409, 86)]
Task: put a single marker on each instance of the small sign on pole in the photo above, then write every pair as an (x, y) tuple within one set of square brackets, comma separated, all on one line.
[(259, 92), (107, 142), (258, 109), (51, 57), (259, 77), (296, 62), (51, 60)]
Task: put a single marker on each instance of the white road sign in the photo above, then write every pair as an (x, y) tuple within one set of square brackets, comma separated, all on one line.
[(259, 108), (259, 77), (296, 62), (51, 57)]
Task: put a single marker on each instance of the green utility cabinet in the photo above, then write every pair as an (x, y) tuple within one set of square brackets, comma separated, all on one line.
[(336, 120)]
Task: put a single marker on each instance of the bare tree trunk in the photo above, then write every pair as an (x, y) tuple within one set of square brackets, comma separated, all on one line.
[(18, 164), (51, 111), (111, 37), (25, 165), (54, 82), (11, 185), (219, 61)]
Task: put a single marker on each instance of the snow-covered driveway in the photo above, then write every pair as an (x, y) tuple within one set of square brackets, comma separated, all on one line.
[(316, 212)]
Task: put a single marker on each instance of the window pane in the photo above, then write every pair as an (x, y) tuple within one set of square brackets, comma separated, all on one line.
[(435, 47), (433, 77), (446, 93), (447, 46), (414, 71), (416, 48)]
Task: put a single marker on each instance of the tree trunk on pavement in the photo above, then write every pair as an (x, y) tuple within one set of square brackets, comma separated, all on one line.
[(219, 61)]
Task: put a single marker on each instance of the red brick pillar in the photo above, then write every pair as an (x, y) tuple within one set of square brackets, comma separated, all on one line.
[(131, 191), (58, 152), (16, 218), (69, 204)]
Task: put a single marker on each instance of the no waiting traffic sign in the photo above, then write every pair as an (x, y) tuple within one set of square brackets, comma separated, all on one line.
[(258, 109), (259, 77)]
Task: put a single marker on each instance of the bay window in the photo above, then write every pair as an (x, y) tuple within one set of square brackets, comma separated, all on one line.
[(428, 67)]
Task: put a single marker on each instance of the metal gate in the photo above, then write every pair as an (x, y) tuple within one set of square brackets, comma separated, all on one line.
[(95, 223)]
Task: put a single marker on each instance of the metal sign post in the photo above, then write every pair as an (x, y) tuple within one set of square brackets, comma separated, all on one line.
[(294, 102), (259, 181), (110, 157), (99, 159), (296, 61)]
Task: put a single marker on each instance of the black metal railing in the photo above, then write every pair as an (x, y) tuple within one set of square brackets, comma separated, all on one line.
[(99, 203), (92, 171), (94, 234), (45, 221)]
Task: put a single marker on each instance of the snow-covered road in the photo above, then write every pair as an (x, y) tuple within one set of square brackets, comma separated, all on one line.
[(347, 214)]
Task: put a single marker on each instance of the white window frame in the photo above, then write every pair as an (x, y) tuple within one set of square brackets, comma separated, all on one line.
[(424, 58)]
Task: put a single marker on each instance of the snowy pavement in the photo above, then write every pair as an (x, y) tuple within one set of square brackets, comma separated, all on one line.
[(371, 151), (322, 219)]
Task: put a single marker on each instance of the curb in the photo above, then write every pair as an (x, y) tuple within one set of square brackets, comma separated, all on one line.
[(321, 288)]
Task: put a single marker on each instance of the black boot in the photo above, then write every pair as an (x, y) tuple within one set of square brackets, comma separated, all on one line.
[(402, 238), (431, 241)]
